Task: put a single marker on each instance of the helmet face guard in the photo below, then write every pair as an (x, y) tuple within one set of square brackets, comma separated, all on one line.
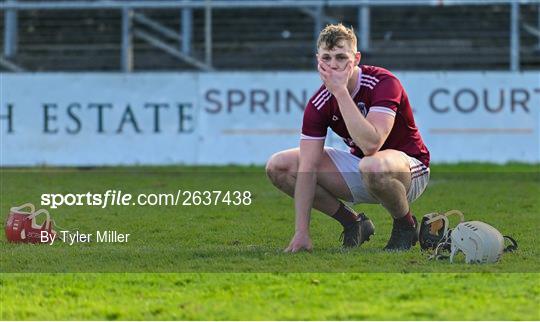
[(21, 226), (434, 229)]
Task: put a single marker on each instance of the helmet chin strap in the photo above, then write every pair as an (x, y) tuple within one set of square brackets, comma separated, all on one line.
[(513, 244), (441, 246)]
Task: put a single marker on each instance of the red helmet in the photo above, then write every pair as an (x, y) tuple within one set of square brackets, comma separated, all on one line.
[(21, 226)]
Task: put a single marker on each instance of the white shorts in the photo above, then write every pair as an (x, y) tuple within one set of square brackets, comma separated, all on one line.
[(347, 165)]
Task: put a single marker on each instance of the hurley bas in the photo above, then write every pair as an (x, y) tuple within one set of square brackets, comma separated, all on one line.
[(106, 236)]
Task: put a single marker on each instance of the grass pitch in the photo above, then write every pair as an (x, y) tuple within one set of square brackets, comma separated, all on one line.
[(225, 262), (263, 296)]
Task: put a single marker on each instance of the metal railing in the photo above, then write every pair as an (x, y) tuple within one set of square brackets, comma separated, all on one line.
[(184, 50)]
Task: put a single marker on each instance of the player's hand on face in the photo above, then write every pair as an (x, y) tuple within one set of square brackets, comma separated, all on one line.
[(299, 242), (335, 79)]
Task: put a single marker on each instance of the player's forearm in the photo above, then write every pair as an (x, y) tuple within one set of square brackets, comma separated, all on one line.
[(361, 130), (304, 193)]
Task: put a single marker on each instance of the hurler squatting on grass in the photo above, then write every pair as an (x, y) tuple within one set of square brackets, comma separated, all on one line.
[(387, 164)]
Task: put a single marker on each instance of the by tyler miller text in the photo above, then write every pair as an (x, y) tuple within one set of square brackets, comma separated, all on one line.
[(71, 238)]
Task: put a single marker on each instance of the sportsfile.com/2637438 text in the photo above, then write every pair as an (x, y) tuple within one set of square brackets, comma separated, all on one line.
[(120, 198)]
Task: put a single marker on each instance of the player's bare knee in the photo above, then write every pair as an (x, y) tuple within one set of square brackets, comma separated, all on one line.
[(375, 172), (374, 164), (277, 166), (271, 168)]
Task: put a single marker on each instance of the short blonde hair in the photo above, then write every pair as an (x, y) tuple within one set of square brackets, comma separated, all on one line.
[(332, 35)]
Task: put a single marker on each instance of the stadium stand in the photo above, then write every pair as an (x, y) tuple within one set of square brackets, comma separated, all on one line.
[(402, 38)]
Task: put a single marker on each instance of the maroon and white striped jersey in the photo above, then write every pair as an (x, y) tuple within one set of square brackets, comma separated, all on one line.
[(377, 91)]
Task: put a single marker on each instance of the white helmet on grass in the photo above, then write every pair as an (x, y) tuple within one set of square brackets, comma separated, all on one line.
[(480, 242)]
